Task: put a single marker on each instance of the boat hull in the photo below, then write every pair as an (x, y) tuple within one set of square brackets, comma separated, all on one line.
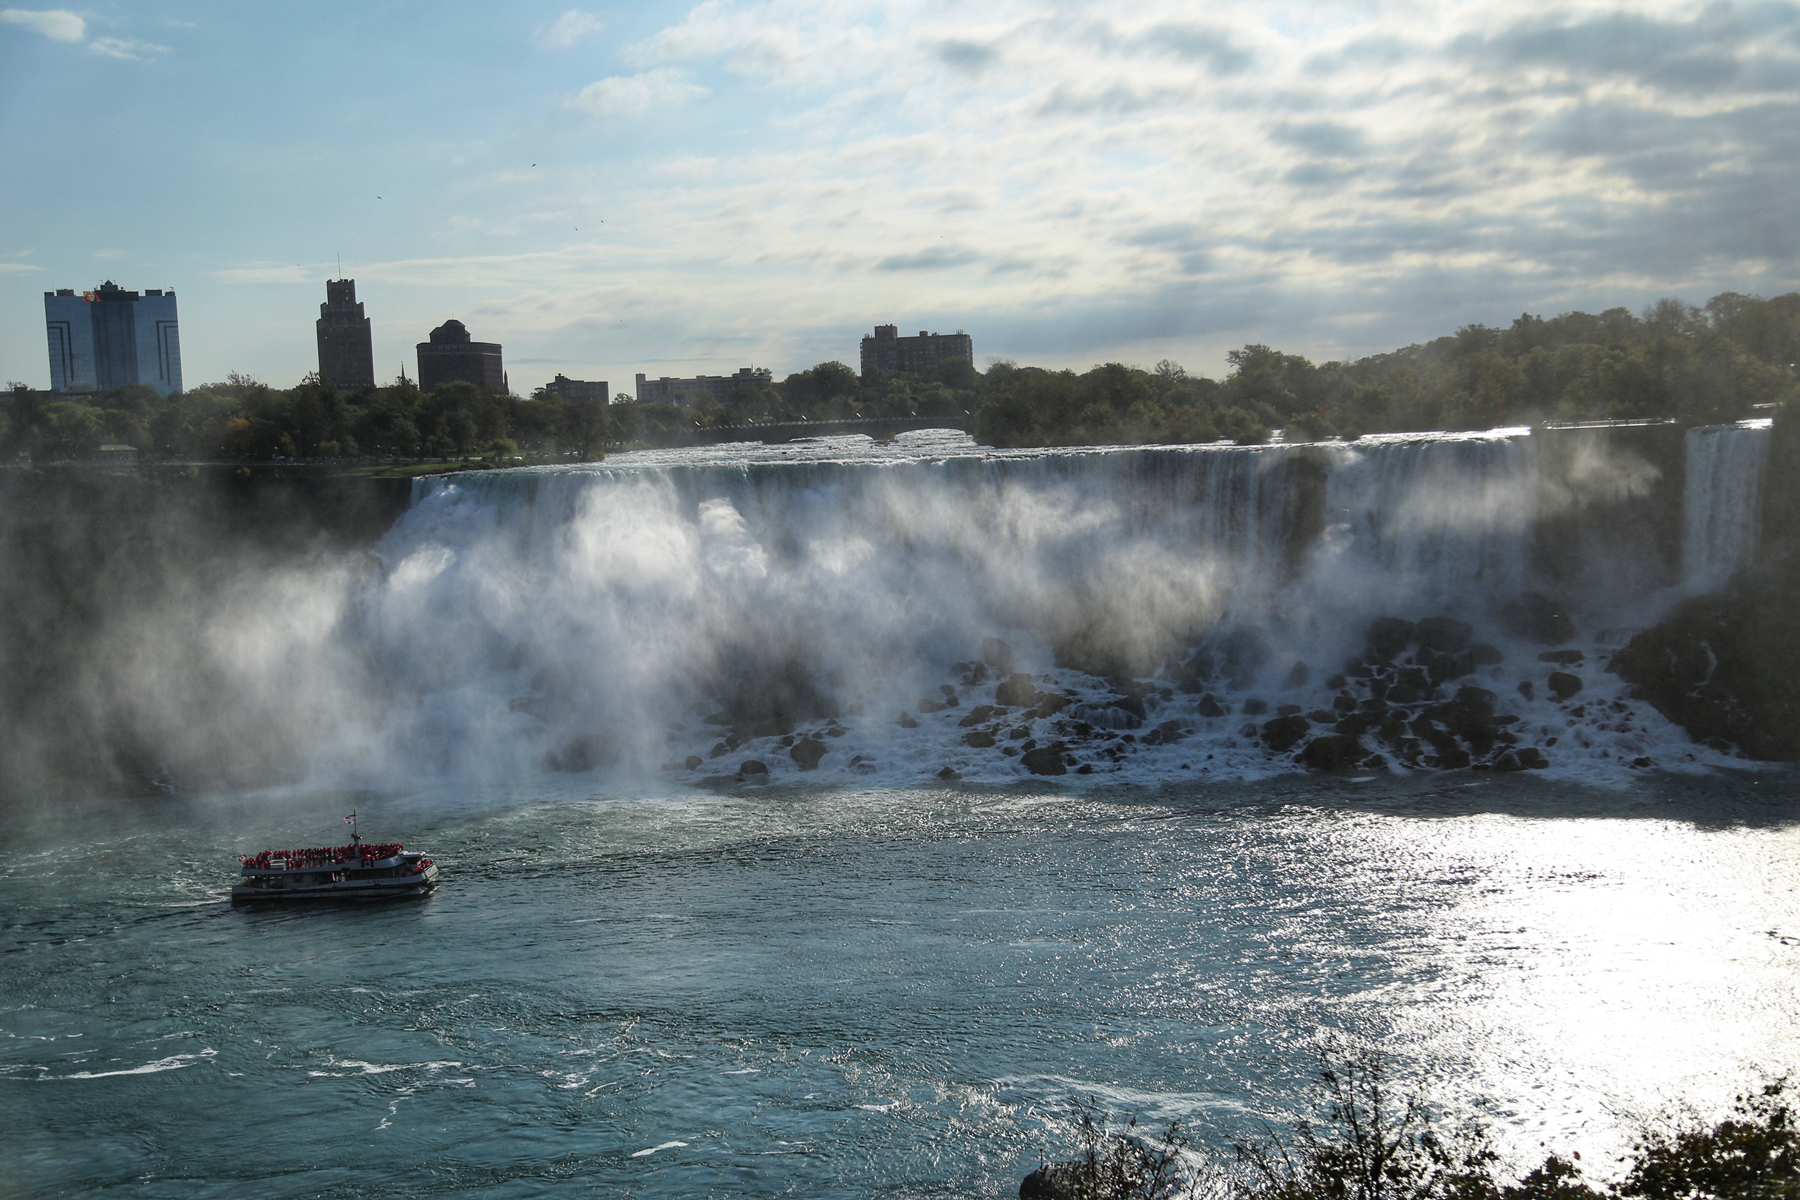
[(329, 892), (270, 887)]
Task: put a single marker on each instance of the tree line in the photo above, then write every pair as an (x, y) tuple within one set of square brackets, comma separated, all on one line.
[(1697, 365), (1702, 365)]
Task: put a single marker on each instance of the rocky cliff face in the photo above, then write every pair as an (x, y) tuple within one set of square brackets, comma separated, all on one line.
[(1726, 666)]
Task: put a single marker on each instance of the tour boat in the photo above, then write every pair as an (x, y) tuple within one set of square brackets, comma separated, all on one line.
[(359, 871)]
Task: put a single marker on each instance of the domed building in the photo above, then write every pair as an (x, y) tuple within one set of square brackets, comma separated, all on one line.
[(450, 356)]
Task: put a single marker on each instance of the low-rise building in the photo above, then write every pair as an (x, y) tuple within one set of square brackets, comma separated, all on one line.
[(116, 452), (580, 390), (922, 355), (702, 390)]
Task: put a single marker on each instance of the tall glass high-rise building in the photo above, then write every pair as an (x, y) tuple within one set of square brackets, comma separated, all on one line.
[(110, 337)]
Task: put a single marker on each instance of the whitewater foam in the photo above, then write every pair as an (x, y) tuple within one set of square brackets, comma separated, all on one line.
[(596, 618)]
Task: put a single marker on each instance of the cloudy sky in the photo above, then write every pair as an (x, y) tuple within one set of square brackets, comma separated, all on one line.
[(674, 189)]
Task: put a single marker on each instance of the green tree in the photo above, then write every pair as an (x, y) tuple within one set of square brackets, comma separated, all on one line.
[(70, 429)]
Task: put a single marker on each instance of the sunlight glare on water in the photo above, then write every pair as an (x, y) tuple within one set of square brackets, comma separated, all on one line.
[(835, 992)]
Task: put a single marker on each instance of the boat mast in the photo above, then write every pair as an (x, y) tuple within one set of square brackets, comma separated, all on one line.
[(355, 837)]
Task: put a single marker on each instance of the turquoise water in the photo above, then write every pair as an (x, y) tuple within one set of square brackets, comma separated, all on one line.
[(876, 992), (644, 979)]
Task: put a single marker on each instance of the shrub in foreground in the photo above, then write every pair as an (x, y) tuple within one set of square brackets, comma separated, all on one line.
[(1365, 1142)]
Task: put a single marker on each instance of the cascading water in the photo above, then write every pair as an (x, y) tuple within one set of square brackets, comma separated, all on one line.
[(694, 610), (1722, 502), (1443, 523)]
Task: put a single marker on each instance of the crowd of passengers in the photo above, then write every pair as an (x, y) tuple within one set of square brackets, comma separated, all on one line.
[(325, 856)]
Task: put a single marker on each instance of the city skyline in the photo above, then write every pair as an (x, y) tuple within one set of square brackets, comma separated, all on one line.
[(680, 189)]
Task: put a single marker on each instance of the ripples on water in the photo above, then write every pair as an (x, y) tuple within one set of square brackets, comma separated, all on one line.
[(836, 992)]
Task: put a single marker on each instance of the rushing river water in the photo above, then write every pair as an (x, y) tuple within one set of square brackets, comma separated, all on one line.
[(644, 976), (829, 992)]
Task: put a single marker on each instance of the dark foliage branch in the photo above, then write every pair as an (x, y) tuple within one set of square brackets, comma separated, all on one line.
[(1363, 1141)]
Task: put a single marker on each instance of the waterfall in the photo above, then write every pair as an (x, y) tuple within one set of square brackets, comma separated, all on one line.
[(1722, 500), (658, 612), (1443, 522)]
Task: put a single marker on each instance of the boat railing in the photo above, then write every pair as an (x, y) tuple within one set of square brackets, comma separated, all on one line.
[(323, 857)]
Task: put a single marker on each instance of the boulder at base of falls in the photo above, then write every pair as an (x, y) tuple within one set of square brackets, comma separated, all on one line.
[(1727, 666), (1190, 677), (976, 715), (1283, 733), (1446, 635), (1476, 701), (766, 700), (1016, 692), (1333, 752), (1131, 704), (1387, 637), (807, 752), (1523, 758), (1537, 619), (1045, 760), (1563, 685), (1168, 733), (584, 754)]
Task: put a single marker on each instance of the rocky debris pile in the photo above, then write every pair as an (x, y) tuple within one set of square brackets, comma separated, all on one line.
[(1398, 694), (764, 701), (1422, 694), (1726, 668)]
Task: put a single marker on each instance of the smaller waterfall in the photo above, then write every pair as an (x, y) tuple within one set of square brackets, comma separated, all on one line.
[(1722, 504)]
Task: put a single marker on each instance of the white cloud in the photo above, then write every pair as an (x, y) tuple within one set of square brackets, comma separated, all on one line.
[(1370, 171), (568, 29), (627, 95), (63, 26), (126, 48), (7, 268), (268, 272), (56, 24)]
